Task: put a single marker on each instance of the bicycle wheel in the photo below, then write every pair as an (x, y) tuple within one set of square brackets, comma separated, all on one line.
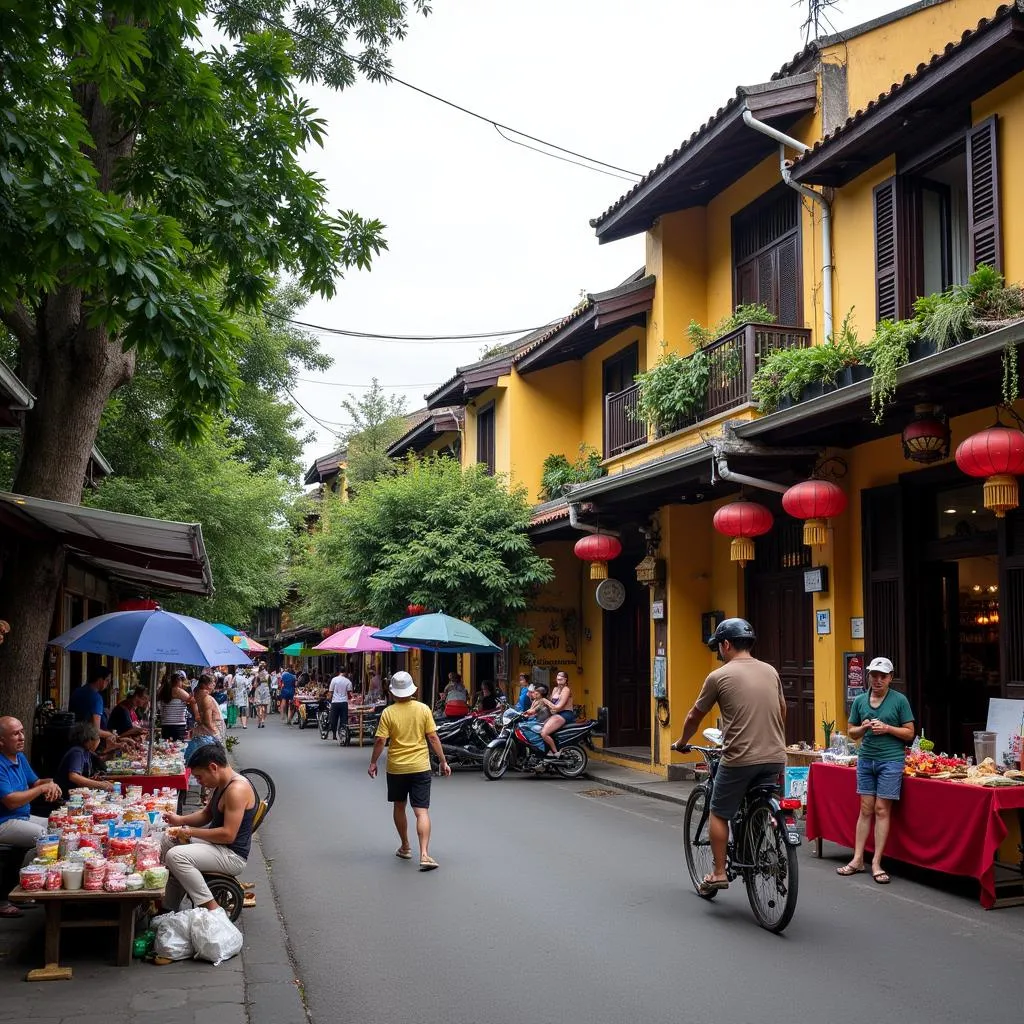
[(323, 719), (262, 783), (697, 840), (773, 881)]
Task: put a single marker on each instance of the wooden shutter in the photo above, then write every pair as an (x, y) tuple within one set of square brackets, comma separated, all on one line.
[(885, 629), (983, 195), (485, 439), (887, 252)]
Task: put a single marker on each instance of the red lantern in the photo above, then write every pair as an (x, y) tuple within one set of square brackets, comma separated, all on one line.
[(325, 632), (598, 549), (814, 501), (416, 609), (743, 520), (997, 454), (926, 436), (138, 604)]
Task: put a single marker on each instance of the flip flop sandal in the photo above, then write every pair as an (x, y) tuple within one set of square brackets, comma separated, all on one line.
[(428, 864), (247, 885), (708, 887), (848, 870), (11, 911), (403, 854), (249, 900), (882, 878)]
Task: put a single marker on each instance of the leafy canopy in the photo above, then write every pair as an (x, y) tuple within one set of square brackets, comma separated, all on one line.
[(452, 539), (378, 421)]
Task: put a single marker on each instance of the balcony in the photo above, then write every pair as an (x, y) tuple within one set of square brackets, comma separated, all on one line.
[(733, 360)]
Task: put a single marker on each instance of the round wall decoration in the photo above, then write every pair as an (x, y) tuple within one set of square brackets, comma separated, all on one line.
[(610, 595)]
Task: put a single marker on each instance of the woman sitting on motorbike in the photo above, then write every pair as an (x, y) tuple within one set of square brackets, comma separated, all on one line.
[(538, 712), (486, 699), (560, 706), (456, 699)]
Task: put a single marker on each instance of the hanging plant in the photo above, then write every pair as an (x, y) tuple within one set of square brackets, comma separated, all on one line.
[(890, 349), (674, 391)]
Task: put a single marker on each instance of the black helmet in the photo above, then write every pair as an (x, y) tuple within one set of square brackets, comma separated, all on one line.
[(732, 629)]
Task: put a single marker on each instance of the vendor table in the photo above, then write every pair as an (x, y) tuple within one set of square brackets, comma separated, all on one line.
[(307, 707), (126, 905), (152, 783), (362, 712), (944, 826)]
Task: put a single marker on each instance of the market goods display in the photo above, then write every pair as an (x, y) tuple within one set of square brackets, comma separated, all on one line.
[(929, 766), (168, 759)]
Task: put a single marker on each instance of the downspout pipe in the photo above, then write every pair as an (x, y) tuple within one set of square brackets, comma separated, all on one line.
[(816, 197), (574, 510), (720, 465)]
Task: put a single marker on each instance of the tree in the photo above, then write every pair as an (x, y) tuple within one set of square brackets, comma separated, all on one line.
[(455, 540), (378, 421), (243, 512), (150, 189)]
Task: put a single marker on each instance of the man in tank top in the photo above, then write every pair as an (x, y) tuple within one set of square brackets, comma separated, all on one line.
[(215, 839)]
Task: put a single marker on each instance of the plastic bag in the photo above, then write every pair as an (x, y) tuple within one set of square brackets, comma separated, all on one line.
[(214, 937), (174, 935)]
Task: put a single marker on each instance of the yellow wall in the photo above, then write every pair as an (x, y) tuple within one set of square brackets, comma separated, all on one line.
[(592, 382), (498, 396), (677, 257)]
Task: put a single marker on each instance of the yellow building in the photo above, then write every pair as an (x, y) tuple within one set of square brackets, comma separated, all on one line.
[(874, 168)]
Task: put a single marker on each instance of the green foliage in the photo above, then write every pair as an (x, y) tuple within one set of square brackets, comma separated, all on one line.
[(559, 475), (673, 391), (378, 421), (452, 539), (244, 515), (944, 318), (890, 349), (747, 313)]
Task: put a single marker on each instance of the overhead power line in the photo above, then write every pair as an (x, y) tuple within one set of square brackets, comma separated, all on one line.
[(345, 332), (587, 162), (341, 384)]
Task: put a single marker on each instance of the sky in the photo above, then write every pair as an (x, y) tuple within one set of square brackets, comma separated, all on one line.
[(485, 235)]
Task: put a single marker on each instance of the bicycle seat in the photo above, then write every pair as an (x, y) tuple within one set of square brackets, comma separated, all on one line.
[(766, 789)]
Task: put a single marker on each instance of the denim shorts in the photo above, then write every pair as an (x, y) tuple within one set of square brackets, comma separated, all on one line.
[(879, 778)]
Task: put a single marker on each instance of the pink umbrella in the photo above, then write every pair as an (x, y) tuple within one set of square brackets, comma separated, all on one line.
[(357, 640)]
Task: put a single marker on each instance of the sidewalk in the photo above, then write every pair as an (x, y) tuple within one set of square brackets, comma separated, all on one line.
[(258, 987), (634, 781)]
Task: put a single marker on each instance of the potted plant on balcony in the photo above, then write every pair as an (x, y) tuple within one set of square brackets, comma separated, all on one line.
[(673, 392)]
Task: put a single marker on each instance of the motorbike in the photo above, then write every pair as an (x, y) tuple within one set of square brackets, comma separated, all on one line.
[(524, 751), (465, 739)]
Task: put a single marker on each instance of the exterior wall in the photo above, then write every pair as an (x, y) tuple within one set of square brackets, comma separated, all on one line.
[(677, 257), (497, 395), (444, 442), (592, 383)]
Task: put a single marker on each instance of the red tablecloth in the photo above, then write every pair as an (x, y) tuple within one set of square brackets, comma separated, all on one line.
[(945, 826), (151, 783)]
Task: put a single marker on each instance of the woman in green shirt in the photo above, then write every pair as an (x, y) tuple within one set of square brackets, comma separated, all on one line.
[(884, 722)]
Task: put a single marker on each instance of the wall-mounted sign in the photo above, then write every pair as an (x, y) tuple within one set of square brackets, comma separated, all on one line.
[(610, 595), (823, 620), (853, 672), (658, 678), (657, 609), (709, 623), (857, 627), (816, 580)]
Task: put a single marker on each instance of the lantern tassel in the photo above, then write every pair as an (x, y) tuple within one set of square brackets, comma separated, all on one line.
[(1001, 494), (815, 532), (741, 550), (599, 570)]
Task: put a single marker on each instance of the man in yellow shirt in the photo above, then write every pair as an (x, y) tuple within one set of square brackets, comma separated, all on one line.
[(409, 725)]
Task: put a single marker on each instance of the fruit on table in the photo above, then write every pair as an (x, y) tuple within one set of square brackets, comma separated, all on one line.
[(927, 746), (931, 764)]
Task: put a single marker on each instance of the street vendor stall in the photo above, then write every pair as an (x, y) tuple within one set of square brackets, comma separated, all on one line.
[(307, 702), (950, 826)]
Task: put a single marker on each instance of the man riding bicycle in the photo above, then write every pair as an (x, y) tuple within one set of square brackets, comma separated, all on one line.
[(749, 694)]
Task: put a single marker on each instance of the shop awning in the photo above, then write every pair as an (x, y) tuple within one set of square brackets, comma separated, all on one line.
[(151, 553)]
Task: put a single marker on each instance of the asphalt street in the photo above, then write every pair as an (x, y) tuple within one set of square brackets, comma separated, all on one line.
[(562, 901)]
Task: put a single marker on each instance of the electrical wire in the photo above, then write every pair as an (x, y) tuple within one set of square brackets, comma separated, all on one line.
[(478, 336), (341, 384), (319, 422), (592, 164)]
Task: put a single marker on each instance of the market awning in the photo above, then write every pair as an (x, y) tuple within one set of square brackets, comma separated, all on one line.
[(138, 550)]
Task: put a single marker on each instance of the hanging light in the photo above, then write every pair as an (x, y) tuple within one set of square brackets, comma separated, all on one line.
[(138, 604), (815, 501), (416, 609), (598, 549), (926, 436), (997, 455), (743, 520)]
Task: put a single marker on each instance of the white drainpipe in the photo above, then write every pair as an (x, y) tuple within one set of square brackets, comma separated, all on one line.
[(720, 466), (816, 197), (586, 527)]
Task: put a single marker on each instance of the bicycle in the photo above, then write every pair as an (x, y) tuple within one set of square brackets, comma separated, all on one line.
[(761, 851)]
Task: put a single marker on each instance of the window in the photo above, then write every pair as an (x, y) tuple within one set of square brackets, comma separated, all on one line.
[(936, 221), (619, 371), (766, 255), (485, 437)]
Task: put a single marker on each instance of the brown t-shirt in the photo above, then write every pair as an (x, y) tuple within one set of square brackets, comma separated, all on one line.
[(749, 693)]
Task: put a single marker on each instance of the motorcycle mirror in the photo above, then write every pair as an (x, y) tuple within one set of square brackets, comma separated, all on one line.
[(714, 736)]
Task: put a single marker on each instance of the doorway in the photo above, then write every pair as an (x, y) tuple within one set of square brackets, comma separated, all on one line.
[(627, 663)]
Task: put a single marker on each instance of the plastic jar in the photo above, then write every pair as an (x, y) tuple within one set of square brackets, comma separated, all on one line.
[(71, 876), (32, 877)]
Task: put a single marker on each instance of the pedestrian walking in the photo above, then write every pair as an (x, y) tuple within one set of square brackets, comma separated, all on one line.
[(287, 695), (340, 691), (243, 694), (409, 726)]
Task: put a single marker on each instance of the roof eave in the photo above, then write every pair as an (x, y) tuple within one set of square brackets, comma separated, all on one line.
[(21, 395)]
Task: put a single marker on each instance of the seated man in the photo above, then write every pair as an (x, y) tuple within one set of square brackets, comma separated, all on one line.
[(215, 839), (19, 786)]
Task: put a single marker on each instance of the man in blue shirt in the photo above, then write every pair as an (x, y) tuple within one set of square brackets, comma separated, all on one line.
[(86, 703), (19, 786)]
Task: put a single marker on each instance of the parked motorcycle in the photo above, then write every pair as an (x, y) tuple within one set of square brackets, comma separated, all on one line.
[(465, 739), (524, 751)]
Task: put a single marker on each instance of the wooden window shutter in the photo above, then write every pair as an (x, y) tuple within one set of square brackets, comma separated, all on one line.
[(885, 629), (983, 195), (887, 252)]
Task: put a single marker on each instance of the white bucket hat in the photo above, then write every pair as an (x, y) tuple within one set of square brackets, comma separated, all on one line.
[(402, 685)]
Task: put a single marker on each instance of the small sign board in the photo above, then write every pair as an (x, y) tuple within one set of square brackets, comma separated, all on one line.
[(857, 627), (823, 621), (816, 580), (854, 675), (657, 609)]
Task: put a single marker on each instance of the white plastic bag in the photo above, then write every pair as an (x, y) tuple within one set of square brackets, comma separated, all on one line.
[(174, 935), (214, 937)]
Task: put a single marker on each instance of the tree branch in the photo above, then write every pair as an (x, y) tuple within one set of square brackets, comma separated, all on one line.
[(20, 322)]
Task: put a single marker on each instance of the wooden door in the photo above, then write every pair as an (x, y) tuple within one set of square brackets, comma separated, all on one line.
[(627, 662)]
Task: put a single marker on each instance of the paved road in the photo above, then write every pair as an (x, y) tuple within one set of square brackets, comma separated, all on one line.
[(556, 905)]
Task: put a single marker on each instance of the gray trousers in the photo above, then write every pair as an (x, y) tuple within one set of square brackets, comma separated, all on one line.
[(186, 863), (20, 833)]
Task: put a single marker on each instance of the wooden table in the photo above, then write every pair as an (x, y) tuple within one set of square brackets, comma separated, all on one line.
[(361, 711), (126, 904)]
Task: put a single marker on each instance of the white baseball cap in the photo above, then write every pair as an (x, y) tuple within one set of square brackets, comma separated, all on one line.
[(402, 685), (883, 665)]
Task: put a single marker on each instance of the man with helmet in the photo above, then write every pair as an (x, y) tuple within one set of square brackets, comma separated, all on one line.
[(749, 694)]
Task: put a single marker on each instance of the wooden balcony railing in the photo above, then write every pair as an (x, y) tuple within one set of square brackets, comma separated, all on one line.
[(732, 361)]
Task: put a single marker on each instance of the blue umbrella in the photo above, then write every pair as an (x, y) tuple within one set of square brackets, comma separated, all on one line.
[(153, 636)]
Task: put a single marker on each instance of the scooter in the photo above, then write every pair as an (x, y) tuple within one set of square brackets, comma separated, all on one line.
[(465, 739), (524, 751)]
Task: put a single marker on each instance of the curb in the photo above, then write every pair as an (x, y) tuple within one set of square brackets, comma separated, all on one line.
[(639, 790)]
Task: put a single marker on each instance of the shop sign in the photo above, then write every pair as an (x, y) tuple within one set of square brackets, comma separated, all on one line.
[(659, 681), (657, 609), (857, 627), (853, 673), (823, 619), (816, 580)]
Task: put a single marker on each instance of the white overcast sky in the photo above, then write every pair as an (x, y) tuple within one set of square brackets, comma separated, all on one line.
[(485, 235)]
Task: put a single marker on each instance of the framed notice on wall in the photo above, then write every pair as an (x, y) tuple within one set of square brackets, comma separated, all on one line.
[(854, 676)]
